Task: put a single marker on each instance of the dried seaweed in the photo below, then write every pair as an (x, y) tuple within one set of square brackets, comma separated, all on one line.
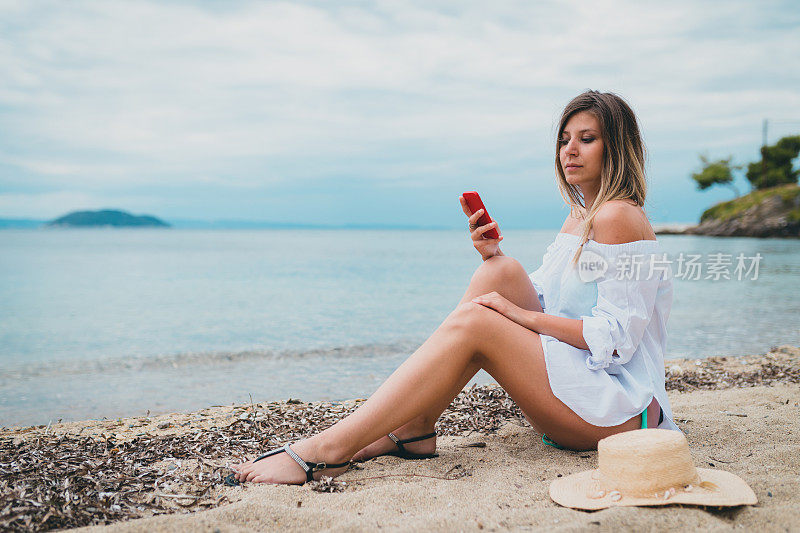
[(50, 481), (327, 484), (53, 481), (714, 374), (478, 409)]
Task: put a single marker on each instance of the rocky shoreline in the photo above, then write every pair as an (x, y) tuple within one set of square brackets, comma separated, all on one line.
[(763, 213)]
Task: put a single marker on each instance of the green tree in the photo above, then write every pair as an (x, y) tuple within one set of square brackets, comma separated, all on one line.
[(775, 167), (718, 172)]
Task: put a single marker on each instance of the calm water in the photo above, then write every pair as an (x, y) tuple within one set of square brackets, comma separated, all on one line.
[(106, 323)]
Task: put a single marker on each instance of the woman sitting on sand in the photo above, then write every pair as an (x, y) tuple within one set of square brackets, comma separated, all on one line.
[(589, 366)]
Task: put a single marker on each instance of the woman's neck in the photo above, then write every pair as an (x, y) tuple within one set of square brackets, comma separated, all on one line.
[(588, 196)]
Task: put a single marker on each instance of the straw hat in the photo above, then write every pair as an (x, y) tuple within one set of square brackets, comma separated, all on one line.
[(649, 467)]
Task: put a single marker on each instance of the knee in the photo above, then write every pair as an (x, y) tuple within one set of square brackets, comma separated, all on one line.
[(501, 267), (468, 317)]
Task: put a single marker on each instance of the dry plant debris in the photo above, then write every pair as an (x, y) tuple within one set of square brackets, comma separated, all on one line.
[(780, 365), (327, 484), (50, 481), (54, 481)]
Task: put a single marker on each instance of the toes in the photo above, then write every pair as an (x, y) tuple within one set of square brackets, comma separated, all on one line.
[(246, 474), (243, 471), (241, 467), (241, 475)]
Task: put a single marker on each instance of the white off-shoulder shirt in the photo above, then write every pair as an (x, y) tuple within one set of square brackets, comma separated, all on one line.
[(623, 294)]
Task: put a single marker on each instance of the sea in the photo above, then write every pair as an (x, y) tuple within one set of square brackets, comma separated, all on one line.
[(107, 323)]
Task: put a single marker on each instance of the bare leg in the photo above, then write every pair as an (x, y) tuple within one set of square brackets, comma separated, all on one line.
[(423, 424), (471, 335), (500, 273), (406, 394)]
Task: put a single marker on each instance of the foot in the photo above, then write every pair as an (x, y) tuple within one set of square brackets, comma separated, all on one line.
[(282, 469), (385, 445)]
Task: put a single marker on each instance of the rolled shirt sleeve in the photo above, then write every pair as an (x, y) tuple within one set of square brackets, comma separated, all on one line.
[(618, 321)]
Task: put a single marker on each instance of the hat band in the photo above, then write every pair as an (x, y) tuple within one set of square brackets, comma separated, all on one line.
[(603, 487)]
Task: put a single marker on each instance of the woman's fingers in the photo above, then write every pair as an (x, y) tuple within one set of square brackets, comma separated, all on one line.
[(478, 233), (473, 219), (464, 206)]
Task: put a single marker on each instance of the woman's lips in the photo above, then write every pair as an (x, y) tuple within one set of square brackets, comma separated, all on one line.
[(572, 167)]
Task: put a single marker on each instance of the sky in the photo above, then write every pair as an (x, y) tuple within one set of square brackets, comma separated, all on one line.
[(373, 113)]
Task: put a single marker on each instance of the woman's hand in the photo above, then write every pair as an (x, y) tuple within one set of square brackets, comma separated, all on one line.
[(499, 303), (485, 246)]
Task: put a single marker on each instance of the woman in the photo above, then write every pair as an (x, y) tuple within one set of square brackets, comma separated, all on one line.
[(590, 367)]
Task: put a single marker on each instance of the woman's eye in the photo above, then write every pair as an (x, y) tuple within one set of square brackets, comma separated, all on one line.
[(585, 139)]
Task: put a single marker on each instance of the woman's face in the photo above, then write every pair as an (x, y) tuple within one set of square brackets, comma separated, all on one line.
[(581, 151)]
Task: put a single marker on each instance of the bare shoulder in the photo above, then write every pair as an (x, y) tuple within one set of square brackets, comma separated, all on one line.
[(620, 221)]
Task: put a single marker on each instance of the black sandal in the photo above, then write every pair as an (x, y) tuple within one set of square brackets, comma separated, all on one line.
[(405, 454), (309, 468)]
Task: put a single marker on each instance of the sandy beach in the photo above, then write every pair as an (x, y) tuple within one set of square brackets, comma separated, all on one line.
[(163, 473)]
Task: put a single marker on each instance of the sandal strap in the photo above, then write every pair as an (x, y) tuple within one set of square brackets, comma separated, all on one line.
[(269, 454), (400, 442), (308, 467)]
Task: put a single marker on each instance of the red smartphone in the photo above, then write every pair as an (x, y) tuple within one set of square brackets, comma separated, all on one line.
[(474, 203)]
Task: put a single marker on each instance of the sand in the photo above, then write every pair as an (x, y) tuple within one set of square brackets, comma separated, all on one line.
[(741, 426)]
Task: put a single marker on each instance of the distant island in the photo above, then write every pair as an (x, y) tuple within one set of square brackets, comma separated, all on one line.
[(106, 217), (770, 212)]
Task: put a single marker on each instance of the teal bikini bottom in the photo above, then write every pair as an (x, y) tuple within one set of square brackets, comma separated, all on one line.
[(549, 442)]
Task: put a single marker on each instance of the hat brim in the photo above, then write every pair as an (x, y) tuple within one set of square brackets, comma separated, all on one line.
[(730, 490)]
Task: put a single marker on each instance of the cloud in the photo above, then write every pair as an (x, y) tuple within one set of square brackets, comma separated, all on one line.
[(249, 94)]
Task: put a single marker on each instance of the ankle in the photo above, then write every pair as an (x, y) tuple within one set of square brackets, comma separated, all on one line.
[(329, 451), (418, 426)]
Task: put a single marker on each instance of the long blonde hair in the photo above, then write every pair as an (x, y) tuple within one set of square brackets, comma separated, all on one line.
[(623, 175)]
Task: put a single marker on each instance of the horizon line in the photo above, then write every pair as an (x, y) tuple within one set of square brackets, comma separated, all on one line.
[(35, 223)]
